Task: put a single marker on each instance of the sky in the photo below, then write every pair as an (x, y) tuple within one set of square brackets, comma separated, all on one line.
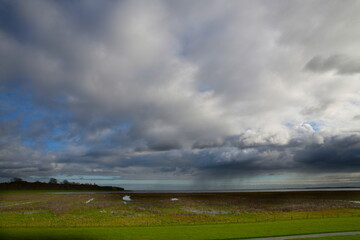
[(204, 94)]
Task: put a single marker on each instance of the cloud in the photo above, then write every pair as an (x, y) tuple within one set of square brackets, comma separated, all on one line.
[(339, 63), (178, 90)]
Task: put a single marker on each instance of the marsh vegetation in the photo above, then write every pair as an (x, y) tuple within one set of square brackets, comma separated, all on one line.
[(159, 209)]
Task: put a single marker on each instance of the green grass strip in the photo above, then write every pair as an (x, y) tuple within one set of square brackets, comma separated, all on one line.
[(195, 232)]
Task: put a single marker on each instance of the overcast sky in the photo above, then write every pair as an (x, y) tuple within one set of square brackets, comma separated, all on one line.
[(181, 94)]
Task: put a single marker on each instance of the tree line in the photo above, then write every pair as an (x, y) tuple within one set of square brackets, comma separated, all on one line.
[(53, 184)]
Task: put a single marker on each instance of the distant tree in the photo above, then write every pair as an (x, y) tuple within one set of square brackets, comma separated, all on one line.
[(53, 180), (16, 179), (66, 182)]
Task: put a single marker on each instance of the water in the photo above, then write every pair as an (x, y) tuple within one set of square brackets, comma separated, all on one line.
[(90, 200), (214, 212), (126, 198), (248, 190), (15, 204), (32, 212)]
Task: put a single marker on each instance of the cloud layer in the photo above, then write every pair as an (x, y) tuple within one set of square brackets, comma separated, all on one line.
[(180, 89)]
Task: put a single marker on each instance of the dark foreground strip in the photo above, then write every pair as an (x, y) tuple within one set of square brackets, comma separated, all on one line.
[(306, 236)]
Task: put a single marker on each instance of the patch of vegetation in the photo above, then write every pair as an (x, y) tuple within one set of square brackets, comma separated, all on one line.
[(109, 209)]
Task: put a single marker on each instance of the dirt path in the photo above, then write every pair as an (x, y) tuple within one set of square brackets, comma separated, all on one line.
[(306, 236)]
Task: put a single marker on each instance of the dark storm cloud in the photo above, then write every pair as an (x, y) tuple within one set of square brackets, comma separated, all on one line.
[(178, 89), (335, 155), (340, 63)]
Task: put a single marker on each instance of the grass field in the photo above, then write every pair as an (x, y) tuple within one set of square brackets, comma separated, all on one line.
[(216, 231), (192, 216), (108, 209)]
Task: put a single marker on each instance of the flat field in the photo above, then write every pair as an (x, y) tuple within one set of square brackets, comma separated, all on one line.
[(179, 215)]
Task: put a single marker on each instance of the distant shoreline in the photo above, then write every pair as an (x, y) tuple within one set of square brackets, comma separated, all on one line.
[(181, 191), (248, 190)]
